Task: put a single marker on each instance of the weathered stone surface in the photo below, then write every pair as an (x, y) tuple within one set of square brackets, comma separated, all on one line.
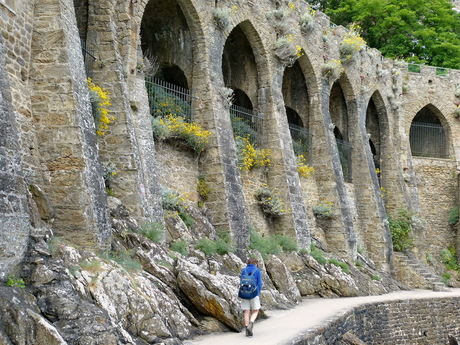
[(214, 295)]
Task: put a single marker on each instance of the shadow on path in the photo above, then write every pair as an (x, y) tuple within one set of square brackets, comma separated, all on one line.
[(282, 326)]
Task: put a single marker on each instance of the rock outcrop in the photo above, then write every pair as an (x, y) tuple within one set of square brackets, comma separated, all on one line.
[(139, 292)]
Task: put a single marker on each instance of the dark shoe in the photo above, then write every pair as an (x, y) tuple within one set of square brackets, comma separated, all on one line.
[(249, 329)]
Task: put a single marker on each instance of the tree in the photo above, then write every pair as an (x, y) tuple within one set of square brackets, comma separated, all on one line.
[(418, 31)]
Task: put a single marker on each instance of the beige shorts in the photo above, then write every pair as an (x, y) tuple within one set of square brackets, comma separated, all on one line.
[(250, 304)]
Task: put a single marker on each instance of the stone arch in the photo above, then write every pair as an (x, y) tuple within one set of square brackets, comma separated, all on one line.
[(377, 128), (295, 93), (166, 39), (241, 99), (429, 133)]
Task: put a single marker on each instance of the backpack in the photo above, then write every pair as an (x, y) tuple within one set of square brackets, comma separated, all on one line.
[(248, 285)]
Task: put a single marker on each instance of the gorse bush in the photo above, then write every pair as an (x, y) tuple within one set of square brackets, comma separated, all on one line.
[(100, 103), (250, 157), (401, 230), (173, 127), (303, 168)]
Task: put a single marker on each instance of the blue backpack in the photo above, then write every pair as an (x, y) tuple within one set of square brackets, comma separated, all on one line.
[(248, 285)]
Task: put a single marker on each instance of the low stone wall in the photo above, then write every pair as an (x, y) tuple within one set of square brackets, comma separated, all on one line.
[(402, 322)]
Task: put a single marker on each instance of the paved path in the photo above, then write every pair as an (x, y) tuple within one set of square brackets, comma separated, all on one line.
[(284, 325)]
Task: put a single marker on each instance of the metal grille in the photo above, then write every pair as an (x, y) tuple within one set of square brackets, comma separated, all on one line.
[(301, 141), (246, 124), (428, 140), (166, 98), (345, 151), (88, 59)]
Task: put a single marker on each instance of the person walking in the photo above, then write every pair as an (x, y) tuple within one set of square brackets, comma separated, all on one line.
[(251, 306)]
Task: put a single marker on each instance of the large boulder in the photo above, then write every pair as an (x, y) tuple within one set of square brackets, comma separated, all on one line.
[(213, 295)]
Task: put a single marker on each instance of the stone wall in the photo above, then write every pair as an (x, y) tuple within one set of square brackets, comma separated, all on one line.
[(374, 98), (408, 322)]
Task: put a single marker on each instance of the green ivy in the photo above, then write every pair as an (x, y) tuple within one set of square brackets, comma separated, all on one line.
[(401, 230)]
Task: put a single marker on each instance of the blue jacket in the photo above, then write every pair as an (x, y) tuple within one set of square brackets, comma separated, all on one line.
[(257, 275)]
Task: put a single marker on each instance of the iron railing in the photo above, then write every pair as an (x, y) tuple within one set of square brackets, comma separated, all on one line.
[(345, 152), (88, 59), (246, 124), (301, 141), (428, 140), (166, 98)]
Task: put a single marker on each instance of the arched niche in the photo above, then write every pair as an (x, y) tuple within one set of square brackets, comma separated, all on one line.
[(373, 129), (239, 68), (295, 93), (173, 75), (338, 110), (167, 41), (428, 136)]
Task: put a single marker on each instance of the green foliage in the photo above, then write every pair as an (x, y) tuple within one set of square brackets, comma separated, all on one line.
[(317, 254), (359, 264), (273, 244), (179, 246), (203, 188), (124, 259), (206, 245), (419, 31), (153, 230), (324, 210), (287, 244), (376, 277), (449, 258), (453, 216), (264, 245), (172, 200), (12, 281), (343, 265), (401, 230), (163, 103), (445, 277), (222, 245), (242, 128)]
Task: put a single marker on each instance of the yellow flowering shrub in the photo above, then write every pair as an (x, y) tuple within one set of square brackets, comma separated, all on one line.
[(250, 157), (332, 68), (352, 42), (175, 127), (303, 168), (100, 103)]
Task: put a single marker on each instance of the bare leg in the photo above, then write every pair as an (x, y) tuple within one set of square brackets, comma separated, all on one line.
[(254, 315), (246, 317)]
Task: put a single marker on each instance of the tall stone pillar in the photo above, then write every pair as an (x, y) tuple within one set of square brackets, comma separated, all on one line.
[(14, 214), (73, 177), (128, 143)]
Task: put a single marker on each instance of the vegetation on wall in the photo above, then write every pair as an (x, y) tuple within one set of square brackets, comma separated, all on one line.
[(270, 204), (401, 230), (100, 103), (250, 157), (175, 128)]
